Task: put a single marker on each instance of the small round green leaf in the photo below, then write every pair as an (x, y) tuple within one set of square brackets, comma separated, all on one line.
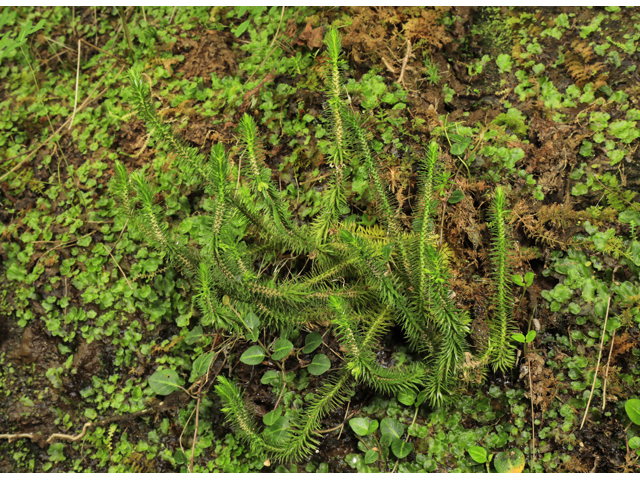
[(319, 364), (271, 417), (456, 197), (386, 439), (253, 355), (407, 397), (422, 396), (518, 337), (281, 348), (242, 28), (179, 457), (201, 365), (371, 456), (528, 278), (392, 427), (270, 377), (311, 342), (634, 442), (517, 279), (373, 426), (460, 145), (632, 406), (278, 432), (192, 337), (479, 454), (401, 449), (251, 321), (509, 462), (164, 382), (531, 336), (360, 425)]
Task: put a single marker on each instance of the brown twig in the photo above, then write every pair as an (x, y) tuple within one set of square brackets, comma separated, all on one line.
[(333, 429), (317, 178), (75, 102), (606, 373), (405, 60), (195, 432), (595, 376), (115, 57), (74, 438), (60, 43), (63, 244), (345, 418), (533, 424), (197, 409), (126, 31), (284, 387), (114, 258)]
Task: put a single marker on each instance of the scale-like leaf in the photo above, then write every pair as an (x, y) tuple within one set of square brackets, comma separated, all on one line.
[(253, 355)]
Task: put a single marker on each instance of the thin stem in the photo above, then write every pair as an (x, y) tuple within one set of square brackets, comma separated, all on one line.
[(75, 102), (533, 424), (195, 432), (345, 418), (126, 31), (606, 373), (595, 376), (284, 387)]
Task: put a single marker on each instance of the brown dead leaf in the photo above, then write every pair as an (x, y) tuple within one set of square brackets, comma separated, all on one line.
[(311, 37), (291, 29)]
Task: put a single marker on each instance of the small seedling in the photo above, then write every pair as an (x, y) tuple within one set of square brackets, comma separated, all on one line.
[(519, 337), (433, 74), (525, 283)]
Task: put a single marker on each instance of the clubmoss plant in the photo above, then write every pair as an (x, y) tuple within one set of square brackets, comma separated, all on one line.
[(362, 283)]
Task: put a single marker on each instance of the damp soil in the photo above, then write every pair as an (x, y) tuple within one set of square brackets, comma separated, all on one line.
[(372, 40)]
